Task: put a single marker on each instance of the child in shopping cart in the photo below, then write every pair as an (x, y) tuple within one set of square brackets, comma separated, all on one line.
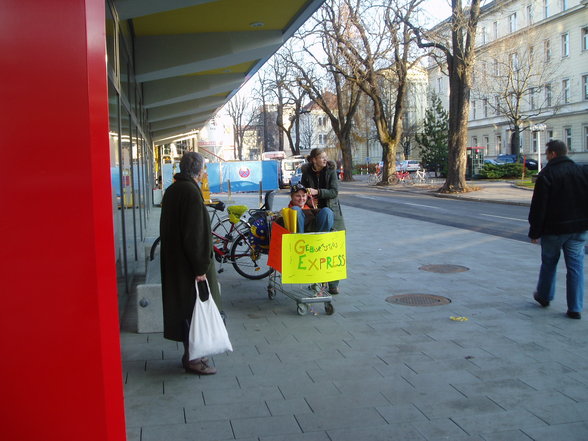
[(310, 219)]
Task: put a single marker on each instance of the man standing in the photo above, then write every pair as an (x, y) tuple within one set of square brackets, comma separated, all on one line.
[(559, 216), (186, 256)]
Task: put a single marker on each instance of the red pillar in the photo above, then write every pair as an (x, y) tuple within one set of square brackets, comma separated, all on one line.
[(60, 366)]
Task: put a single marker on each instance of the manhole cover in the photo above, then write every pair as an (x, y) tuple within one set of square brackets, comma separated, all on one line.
[(444, 269), (418, 300)]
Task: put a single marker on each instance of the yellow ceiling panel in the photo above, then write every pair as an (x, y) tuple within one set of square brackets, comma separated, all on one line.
[(236, 68), (221, 16)]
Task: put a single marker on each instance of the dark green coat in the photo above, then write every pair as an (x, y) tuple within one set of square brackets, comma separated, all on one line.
[(327, 183), (186, 252)]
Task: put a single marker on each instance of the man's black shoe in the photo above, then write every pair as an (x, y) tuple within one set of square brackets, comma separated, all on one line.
[(544, 303), (574, 315)]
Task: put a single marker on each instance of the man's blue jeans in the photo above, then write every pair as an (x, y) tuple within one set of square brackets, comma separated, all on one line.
[(324, 220), (573, 248)]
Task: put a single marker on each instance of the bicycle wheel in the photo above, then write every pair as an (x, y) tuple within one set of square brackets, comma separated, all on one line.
[(153, 248), (248, 260), (225, 229), (373, 179), (393, 179)]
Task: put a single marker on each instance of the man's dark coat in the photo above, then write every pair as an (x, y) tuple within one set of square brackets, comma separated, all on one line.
[(186, 252), (560, 199)]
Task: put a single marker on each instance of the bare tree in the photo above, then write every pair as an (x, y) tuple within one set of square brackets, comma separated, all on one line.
[(241, 112), (459, 54), (376, 45), (290, 97), (322, 85), (513, 81)]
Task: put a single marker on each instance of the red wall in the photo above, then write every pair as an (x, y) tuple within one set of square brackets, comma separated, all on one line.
[(60, 366)]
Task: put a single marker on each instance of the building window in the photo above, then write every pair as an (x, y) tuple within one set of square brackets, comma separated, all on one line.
[(496, 105), (547, 50), (483, 36), (585, 38), (546, 8), (529, 14), (322, 139), (474, 109), (548, 94), (498, 144), (531, 98), (586, 138), (564, 5), (568, 137), (512, 22), (495, 30), (550, 134), (514, 61), (439, 85), (534, 138), (585, 86), (322, 121), (474, 141), (487, 143), (565, 45), (485, 107), (565, 90)]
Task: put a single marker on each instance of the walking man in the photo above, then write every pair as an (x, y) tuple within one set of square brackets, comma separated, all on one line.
[(559, 217)]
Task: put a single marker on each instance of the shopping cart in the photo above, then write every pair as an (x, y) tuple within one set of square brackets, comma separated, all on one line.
[(304, 294)]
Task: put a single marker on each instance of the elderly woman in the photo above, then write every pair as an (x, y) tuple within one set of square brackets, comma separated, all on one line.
[(186, 256), (319, 176)]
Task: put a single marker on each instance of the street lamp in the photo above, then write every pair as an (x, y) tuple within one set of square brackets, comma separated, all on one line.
[(538, 128)]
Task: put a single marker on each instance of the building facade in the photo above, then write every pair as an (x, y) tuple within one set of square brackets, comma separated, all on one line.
[(531, 76)]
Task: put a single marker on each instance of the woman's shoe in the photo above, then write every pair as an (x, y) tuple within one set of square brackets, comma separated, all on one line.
[(186, 362), (199, 367)]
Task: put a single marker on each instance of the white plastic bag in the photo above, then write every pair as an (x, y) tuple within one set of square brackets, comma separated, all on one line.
[(208, 334)]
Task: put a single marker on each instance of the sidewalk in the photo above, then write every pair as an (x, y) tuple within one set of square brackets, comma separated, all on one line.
[(376, 370), (502, 192)]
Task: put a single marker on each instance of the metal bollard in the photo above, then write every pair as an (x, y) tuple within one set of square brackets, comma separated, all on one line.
[(260, 194), (229, 194)]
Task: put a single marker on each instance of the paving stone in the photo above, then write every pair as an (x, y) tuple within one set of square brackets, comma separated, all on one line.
[(242, 395), (391, 432), (226, 411), (490, 422), (205, 431), (463, 406), (402, 413), (325, 419), (311, 436), (560, 432), (141, 411), (265, 426), (288, 407), (440, 428)]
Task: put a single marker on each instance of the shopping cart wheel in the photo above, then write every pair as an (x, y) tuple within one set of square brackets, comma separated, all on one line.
[(271, 293), (302, 309), (329, 308)]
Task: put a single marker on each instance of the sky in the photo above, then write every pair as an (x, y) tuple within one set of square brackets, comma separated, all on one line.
[(437, 10)]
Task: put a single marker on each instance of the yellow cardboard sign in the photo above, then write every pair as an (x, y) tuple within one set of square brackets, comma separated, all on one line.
[(314, 257)]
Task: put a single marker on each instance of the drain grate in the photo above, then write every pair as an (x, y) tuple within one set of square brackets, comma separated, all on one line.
[(444, 269), (418, 300)]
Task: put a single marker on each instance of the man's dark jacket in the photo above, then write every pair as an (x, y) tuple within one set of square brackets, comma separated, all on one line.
[(560, 199), (186, 252)]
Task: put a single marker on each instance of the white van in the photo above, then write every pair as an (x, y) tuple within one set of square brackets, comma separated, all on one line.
[(288, 167)]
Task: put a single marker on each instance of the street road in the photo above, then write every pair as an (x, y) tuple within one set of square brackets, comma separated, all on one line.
[(509, 221)]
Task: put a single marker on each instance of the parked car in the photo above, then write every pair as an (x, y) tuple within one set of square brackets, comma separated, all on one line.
[(296, 177), (531, 164), (410, 165)]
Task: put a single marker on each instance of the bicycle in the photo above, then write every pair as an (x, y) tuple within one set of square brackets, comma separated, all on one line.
[(420, 177), (400, 176), (234, 239)]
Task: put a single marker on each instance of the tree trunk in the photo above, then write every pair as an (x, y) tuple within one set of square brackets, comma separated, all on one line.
[(347, 159), (515, 140), (459, 107)]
